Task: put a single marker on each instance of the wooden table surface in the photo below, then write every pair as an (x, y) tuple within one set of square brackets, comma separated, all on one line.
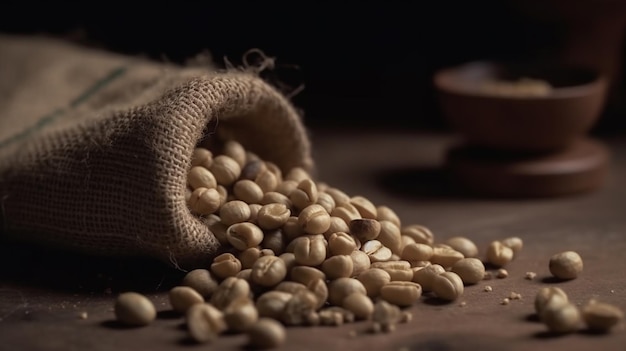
[(43, 292)]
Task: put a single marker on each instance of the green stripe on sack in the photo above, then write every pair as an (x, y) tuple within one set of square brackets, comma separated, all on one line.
[(50, 117)]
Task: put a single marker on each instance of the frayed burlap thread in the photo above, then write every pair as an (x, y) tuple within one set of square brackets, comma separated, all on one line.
[(104, 171)]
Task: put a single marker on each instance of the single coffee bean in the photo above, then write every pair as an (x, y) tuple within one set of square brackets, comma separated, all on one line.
[(448, 286), (183, 297), (566, 265), (134, 309), (471, 270), (463, 245), (359, 304), (373, 280), (266, 333), (268, 271), (401, 293), (205, 322), (601, 316), (202, 281)]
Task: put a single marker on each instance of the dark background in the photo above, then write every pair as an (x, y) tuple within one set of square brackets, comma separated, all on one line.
[(364, 64)]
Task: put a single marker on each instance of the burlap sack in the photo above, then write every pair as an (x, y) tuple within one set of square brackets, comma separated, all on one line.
[(95, 146)]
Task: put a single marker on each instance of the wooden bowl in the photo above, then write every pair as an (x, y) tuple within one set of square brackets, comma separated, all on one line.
[(520, 108)]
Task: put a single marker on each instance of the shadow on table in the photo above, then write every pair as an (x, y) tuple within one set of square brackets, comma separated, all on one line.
[(47, 268)]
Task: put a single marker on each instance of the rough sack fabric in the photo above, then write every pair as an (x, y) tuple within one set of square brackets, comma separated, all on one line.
[(95, 146)]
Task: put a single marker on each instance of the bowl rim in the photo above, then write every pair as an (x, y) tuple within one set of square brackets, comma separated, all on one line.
[(443, 82)]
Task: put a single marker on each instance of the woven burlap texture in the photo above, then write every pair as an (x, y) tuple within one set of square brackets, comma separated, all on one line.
[(95, 146)]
